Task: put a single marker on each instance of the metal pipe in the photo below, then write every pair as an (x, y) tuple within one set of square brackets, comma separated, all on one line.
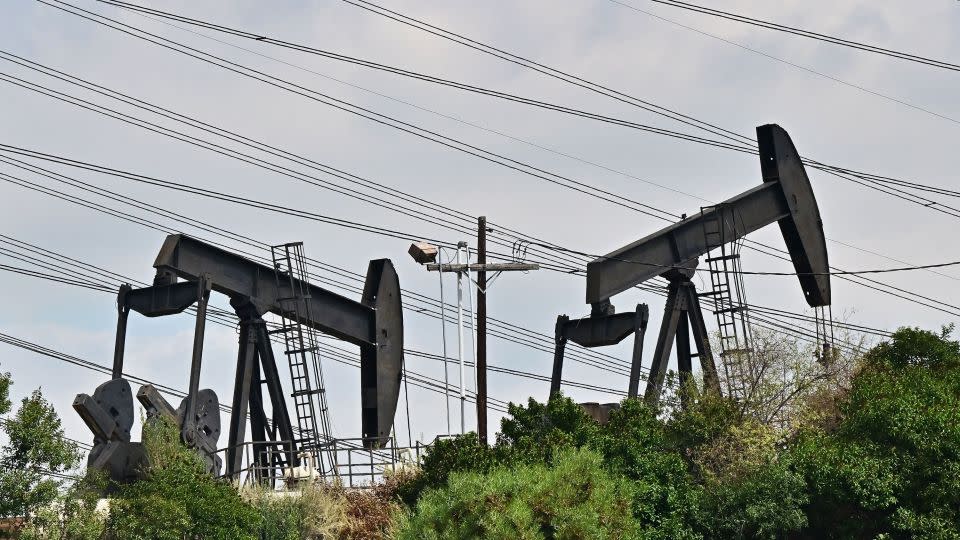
[(473, 322), (443, 334), (463, 395)]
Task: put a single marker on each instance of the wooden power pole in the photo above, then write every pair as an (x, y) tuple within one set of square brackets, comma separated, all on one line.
[(482, 330), (424, 253)]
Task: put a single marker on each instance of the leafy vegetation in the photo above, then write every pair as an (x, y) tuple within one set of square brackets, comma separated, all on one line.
[(869, 448), (177, 499), (573, 498), (36, 450), (865, 447)]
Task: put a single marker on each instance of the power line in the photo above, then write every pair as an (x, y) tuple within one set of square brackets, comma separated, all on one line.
[(153, 14), (787, 62), (406, 73), (765, 273), (806, 336), (378, 118), (269, 166), (631, 100), (415, 212), (501, 329), (131, 201), (901, 296), (865, 179), (219, 318), (430, 135), (485, 91), (809, 34)]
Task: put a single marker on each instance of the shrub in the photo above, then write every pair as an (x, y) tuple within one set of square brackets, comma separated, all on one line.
[(635, 444), (460, 454), (177, 498), (576, 498), (534, 433), (281, 517)]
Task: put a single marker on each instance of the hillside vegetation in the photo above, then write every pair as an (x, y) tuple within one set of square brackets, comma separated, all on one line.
[(865, 447)]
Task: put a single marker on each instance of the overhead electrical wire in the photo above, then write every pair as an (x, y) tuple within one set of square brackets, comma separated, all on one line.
[(345, 356), (760, 273), (414, 212), (830, 169), (428, 134), (378, 118), (781, 60), (153, 14), (149, 12), (112, 195), (748, 148), (96, 283), (859, 178), (498, 327), (217, 195), (247, 158), (546, 349), (622, 371), (631, 100), (810, 34)]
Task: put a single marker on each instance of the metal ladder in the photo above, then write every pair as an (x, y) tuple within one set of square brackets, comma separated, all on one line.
[(729, 305), (301, 349)]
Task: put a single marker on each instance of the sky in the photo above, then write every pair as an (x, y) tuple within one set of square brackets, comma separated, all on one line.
[(860, 110)]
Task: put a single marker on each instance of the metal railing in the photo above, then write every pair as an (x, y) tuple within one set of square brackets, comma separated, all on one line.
[(266, 463)]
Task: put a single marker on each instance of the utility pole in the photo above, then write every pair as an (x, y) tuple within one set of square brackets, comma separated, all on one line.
[(425, 254), (481, 329)]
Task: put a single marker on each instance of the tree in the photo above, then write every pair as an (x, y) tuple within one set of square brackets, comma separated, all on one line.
[(780, 374), (890, 463), (74, 514), (36, 449), (4, 393)]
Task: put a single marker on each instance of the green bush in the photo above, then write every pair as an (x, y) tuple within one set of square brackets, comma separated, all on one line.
[(766, 502), (635, 445), (177, 499), (892, 465), (575, 498), (281, 517), (462, 453), (534, 433)]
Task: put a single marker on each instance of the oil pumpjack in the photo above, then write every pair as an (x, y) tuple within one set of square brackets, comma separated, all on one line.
[(784, 197), (187, 270)]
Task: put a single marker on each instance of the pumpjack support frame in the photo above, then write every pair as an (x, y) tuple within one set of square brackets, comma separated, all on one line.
[(785, 197)]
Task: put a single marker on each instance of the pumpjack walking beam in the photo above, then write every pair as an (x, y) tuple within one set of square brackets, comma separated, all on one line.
[(785, 197)]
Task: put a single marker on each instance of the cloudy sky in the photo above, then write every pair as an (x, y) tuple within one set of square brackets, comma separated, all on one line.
[(835, 116)]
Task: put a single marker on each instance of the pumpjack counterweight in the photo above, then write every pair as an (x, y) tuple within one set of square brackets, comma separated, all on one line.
[(785, 196), (374, 323)]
